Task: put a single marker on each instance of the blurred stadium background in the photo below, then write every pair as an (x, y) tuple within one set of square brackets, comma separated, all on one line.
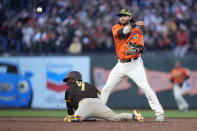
[(42, 40)]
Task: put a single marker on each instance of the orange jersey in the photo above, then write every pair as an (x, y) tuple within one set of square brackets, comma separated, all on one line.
[(134, 36), (178, 75)]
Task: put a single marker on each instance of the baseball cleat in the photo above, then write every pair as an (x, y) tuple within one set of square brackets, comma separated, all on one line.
[(160, 118), (137, 116)]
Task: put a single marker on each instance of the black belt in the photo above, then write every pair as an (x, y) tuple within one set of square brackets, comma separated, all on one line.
[(129, 60)]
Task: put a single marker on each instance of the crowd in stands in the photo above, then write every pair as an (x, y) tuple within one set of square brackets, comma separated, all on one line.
[(84, 26)]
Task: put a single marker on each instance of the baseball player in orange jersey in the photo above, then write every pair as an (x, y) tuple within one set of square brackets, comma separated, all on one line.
[(129, 46), (180, 81)]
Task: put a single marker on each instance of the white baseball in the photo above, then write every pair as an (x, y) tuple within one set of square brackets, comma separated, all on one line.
[(39, 9)]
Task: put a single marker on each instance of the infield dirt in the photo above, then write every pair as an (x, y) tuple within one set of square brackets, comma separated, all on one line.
[(57, 124)]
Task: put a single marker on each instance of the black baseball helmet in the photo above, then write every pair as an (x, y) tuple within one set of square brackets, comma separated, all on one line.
[(74, 75)]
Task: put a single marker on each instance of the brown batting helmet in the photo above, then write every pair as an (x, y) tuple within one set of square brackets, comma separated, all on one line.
[(74, 75)]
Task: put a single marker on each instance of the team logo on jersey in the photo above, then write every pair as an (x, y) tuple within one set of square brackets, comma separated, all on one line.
[(134, 36)]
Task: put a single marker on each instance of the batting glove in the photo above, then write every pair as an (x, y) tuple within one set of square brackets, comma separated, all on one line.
[(72, 118)]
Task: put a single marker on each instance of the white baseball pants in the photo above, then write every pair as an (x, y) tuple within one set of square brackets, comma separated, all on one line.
[(135, 71), (93, 107), (178, 95)]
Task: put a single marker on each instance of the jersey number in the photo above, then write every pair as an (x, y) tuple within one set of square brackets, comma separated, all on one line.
[(82, 85)]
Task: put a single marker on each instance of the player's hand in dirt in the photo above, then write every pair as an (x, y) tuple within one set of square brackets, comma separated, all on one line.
[(72, 118)]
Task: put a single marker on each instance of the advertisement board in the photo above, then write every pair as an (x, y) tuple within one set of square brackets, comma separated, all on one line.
[(43, 77)]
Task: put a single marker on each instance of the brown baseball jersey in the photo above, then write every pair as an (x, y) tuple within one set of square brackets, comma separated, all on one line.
[(78, 91)]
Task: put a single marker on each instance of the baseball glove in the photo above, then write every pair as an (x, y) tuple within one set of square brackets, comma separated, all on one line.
[(72, 118), (132, 48)]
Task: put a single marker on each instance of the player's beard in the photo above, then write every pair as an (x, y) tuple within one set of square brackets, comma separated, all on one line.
[(125, 23)]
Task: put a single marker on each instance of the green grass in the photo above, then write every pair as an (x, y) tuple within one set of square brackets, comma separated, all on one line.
[(33, 113), (169, 113), (62, 113)]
